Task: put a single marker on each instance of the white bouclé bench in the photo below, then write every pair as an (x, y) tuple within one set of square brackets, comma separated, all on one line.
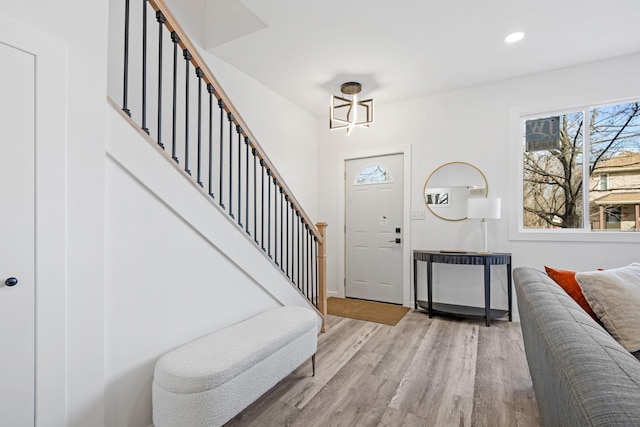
[(210, 380)]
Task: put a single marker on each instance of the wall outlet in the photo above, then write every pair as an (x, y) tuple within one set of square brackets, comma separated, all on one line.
[(417, 215)]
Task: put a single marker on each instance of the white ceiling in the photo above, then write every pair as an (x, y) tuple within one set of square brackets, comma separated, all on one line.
[(402, 49)]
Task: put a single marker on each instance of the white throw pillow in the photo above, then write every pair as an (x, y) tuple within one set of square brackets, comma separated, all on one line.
[(614, 295)]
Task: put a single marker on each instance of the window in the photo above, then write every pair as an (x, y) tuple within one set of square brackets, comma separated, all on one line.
[(375, 174), (581, 167), (613, 216), (604, 181)]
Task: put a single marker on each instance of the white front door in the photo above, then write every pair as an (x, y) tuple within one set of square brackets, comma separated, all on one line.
[(373, 233), (17, 237)]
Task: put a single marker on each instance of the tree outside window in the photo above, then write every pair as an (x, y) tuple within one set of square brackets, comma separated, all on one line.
[(593, 144)]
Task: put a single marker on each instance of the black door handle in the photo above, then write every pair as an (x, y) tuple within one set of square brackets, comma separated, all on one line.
[(11, 281)]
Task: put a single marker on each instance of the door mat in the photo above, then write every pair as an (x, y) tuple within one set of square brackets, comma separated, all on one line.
[(371, 311)]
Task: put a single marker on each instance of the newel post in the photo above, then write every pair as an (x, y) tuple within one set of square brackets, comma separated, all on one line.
[(322, 274)]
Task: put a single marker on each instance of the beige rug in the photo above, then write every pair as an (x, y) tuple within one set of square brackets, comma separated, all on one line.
[(388, 314)]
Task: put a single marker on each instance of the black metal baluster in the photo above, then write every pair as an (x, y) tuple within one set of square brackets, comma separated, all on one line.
[(309, 294), (269, 213), (255, 195), (175, 39), (262, 206), (230, 119), (305, 284), (286, 199), (161, 20), (239, 130), (314, 258), (211, 93), (317, 275), (246, 183), (275, 221), (144, 67), (199, 74), (293, 242), (187, 58), (221, 105), (125, 87), (298, 249), (281, 229)]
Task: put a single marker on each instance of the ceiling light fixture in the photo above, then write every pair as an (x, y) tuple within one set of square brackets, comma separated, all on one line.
[(344, 112), (514, 37)]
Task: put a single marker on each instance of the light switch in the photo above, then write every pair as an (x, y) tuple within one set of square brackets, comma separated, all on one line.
[(415, 215)]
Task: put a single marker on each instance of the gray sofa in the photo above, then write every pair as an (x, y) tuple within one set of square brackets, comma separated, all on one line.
[(581, 375)]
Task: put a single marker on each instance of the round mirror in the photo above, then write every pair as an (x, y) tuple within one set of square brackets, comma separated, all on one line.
[(449, 186)]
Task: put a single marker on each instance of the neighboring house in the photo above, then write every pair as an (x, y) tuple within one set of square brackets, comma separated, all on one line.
[(615, 193)]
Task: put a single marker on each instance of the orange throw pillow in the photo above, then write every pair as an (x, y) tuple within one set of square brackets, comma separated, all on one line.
[(567, 281)]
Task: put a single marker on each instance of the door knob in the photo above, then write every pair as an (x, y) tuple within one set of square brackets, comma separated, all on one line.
[(11, 281), (397, 240)]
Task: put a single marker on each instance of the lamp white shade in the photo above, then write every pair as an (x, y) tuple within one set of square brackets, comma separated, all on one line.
[(483, 208)]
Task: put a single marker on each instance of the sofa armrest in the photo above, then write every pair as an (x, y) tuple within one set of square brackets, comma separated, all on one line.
[(581, 376)]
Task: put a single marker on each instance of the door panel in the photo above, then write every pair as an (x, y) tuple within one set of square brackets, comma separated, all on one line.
[(374, 210), (17, 237)]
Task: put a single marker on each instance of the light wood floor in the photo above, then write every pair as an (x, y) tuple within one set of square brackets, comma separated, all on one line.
[(421, 372)]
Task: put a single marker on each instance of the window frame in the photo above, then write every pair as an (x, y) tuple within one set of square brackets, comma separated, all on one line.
[(517, 116), (603, 185)]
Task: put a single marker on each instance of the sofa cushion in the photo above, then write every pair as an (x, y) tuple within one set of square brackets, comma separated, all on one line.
[(614, 295), (567, 281)]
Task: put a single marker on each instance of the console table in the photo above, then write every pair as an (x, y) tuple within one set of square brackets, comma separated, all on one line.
[(463, 258)]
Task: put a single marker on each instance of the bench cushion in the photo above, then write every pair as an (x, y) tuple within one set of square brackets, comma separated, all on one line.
[(215, 359)]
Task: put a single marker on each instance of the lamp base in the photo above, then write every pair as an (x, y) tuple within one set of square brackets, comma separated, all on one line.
[(485, 248)]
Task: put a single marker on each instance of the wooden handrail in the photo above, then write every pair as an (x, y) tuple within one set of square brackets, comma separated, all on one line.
[(197, 61)]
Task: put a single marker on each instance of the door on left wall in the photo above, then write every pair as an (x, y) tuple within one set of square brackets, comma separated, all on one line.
[(17, 237)]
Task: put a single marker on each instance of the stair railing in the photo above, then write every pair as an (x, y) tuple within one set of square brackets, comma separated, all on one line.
[(201, 131)]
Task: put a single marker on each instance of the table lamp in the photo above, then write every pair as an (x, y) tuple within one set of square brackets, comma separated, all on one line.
[(483, 208)]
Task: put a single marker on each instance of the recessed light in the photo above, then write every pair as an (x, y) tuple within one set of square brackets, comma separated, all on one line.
[(514, 37)]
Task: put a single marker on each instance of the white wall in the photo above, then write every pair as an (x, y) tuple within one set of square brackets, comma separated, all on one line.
[(472, 125), (82, 28), (176, 269)]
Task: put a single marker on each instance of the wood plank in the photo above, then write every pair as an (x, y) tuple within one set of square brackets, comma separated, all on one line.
[(421, 372), (503, 390), (334, 351), (343, 340), (440, 381), (266, 411), (353, 397), (407, 335), (396, 418)]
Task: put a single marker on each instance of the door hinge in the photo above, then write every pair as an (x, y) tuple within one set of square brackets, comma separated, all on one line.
[(345, 229)]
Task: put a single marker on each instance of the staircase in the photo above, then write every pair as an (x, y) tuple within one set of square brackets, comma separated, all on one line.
[(173, 100)]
